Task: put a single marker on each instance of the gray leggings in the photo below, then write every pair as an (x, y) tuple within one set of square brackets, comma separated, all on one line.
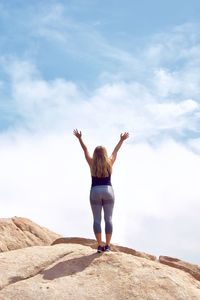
[(102, 196)]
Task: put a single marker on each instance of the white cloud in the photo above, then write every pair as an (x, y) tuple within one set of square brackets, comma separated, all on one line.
[(182, 83), (39, 181), (59, 104), (194, 144), (158, 199), (177, 43), (172, 115), (46, 178)]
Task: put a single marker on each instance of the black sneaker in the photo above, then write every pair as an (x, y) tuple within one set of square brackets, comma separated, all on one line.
[(100, 249), (107, 248)]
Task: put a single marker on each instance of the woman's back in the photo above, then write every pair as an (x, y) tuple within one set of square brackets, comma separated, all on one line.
[(101, 164)]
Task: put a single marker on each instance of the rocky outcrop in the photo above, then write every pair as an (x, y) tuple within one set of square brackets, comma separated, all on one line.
[(74, 271), (194, 270), (92, 243), (19, 232), (55, 267)]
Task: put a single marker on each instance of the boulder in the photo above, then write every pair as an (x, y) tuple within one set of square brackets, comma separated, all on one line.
[(19, 232), (194, 270), (74, 271), (93, 244), (43, 265)]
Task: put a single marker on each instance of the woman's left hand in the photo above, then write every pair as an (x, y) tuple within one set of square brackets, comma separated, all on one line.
[(124, 136), (77, 133)]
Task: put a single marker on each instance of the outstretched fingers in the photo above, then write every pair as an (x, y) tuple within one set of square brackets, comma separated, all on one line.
[(77, 133), (124, 136)]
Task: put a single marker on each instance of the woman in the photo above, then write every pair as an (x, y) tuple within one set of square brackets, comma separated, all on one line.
[(101, 193)]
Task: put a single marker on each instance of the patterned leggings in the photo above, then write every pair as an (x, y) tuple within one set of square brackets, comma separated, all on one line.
[(102, 196)]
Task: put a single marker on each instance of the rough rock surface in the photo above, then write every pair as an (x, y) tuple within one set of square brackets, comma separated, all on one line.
[(74, 271), (71, 269), (19, 232), (194, 270), (92, 243)]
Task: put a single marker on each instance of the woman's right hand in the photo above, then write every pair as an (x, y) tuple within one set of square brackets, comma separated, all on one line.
[(77, 133), (124, 136)]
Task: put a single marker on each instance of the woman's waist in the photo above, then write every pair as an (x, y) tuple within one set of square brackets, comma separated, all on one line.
[(102, 188), (99, 181)]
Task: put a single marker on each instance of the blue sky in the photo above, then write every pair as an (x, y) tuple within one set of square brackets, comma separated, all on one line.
[(91, 43), (103, 67)]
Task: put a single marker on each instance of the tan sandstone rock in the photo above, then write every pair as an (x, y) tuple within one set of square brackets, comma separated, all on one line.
[(194, 270), (19, 232), (71, 268), (92, 243), (74, 271)]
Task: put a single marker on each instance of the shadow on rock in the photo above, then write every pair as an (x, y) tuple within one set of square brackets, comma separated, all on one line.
[(69, 267), (15, 279)]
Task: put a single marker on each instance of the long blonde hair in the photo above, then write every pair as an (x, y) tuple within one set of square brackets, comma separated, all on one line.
[(101, 164)]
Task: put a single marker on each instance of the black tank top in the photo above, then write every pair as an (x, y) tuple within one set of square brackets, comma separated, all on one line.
[(101, 181)]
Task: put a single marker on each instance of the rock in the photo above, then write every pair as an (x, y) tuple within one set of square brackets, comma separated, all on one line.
[(194, 270), (24, 263), (92, 243), (73, 271), (18, 233)]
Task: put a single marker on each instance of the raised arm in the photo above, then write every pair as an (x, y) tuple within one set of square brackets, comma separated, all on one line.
[(123, 137), (78, 134)]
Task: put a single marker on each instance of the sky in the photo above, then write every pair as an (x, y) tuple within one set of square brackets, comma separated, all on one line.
[(104, 67)]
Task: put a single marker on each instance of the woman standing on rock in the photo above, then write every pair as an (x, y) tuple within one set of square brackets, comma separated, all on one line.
[(101, 193)]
